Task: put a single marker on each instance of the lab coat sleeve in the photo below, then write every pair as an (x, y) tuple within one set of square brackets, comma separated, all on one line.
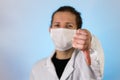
[(31, 76), (97, 58)]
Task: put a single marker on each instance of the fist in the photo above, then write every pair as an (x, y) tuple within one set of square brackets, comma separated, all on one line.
[(82, 41)]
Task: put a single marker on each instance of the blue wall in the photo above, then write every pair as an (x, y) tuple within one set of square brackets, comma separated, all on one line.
[(24, 35)]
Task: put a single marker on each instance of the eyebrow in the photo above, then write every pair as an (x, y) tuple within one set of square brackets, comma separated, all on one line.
[(56, 22), (70, 23)]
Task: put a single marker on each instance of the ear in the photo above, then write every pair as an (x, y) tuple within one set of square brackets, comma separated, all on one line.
[(49, 29)]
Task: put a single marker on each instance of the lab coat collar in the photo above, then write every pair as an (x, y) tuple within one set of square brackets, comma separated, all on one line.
[(68, 69)]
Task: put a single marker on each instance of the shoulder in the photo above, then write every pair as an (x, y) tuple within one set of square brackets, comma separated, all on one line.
[(40, 64), (95, 43)]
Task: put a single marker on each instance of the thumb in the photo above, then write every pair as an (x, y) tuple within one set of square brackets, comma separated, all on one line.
[(87, 56)]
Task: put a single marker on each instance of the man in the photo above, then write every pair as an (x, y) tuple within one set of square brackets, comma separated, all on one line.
[(77, 55)]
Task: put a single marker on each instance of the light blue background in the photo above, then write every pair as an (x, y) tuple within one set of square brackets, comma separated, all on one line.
[(24, 35)]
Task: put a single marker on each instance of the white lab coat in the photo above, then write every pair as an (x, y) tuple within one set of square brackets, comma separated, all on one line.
[(76, 68)]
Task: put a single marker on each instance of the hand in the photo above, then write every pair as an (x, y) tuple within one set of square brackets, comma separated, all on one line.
[(82, 41)]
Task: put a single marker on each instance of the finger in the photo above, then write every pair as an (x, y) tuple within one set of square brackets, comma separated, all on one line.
[(82, 31), (79, 46), (81, 36), (81, 40)]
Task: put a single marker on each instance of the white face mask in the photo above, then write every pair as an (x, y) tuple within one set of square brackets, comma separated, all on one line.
[(62, 38)]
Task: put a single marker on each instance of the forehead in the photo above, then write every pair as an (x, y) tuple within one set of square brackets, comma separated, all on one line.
[(64, 16)]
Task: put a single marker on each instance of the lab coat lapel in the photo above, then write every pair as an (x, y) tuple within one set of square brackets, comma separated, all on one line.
[(67, 73), (69, 67), (50, 66)]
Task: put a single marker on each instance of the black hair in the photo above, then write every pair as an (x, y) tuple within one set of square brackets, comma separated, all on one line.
[(73, 11)]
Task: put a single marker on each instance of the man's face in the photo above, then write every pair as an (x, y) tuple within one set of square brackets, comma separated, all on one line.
[(64, 20)]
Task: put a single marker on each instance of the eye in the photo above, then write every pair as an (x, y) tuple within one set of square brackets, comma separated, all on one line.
[(55, 25), (69, 26)]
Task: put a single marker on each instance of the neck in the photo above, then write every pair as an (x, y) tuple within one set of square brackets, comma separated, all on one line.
[(64, 54)]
